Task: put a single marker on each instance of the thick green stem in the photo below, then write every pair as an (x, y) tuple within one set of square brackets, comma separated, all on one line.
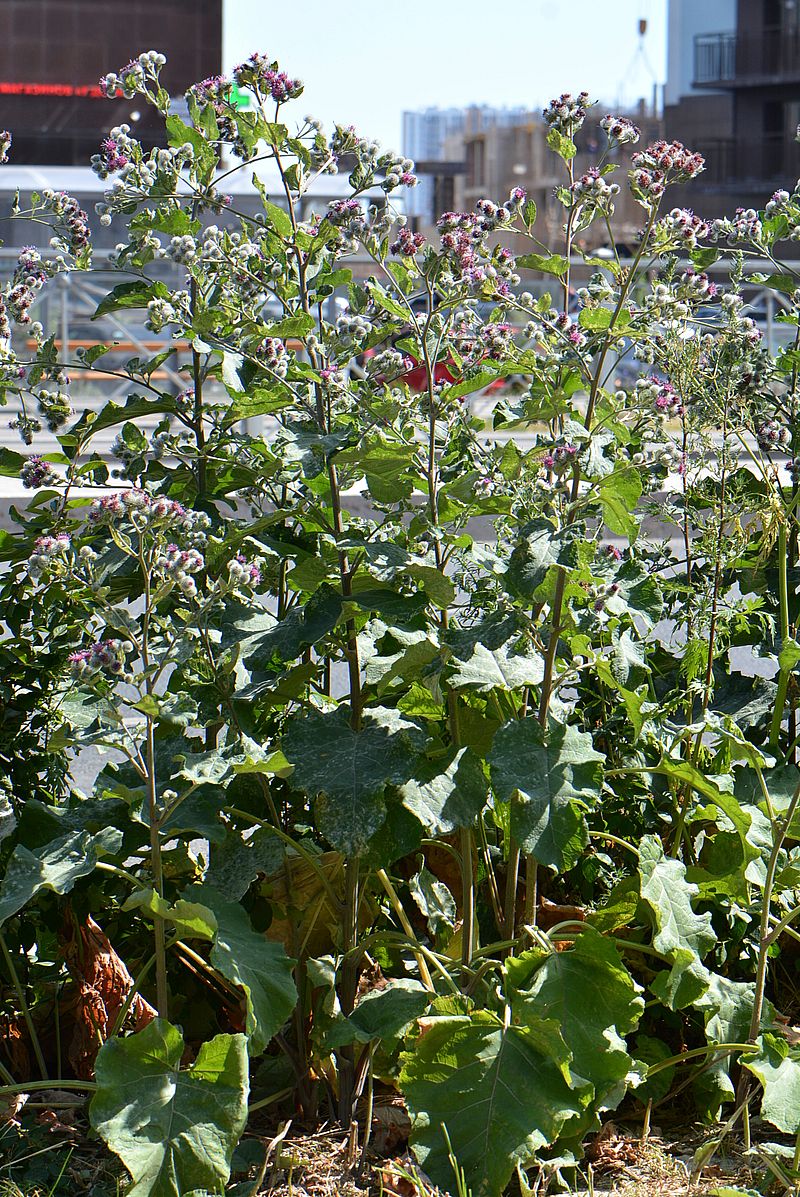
[(785, 669), (765, 936), (348, 987), (159, 933), (510, 902)]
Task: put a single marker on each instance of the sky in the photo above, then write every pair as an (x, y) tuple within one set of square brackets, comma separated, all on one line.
[(366, 61)]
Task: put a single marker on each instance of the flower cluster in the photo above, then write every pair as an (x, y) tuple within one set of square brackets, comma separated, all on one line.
[(744, 226), (182, 250), (27, 280), (498, 340), (214, 90), (145, 511), (407, 244), (37, 472), (178, 565), (475, 263), (593, 190), (116, 151), (696, 287), (619, 130), (398, 172), (72, 224), (660, 164), (771, 435), (484, 487), (46, 551), (259, 73), (104, 656), (566, 114), (271, 352), (388, 363), (348, 216), (662, 395), (682, 227), (352, 328), (243, 572), (560, 457), (133, 78)]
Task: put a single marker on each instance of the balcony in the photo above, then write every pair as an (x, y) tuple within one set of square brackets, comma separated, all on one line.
[(765, 165), (728, 60)]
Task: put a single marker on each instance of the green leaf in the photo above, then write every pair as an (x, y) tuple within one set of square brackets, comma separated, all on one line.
[(502, 1092), (382, 1014), (8, 820), (56, 866), (563, 146), (438, 587), (11, 463), (173, 1129), (619, 494), (347, 771), (292, 326), (590, 994), (727, 1008), (777, 1066), (257, 964), (434, 901), (529, 214), (497, 669), (789, 654), (544, 263), (549, 776), (131, 295), (279, 219), (191, 920), (447, 794), (683, 936), (595, 319), (540, 547)]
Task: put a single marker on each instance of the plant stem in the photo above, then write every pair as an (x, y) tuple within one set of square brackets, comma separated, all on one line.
[(159, 932), (785, 670), (23, 1003), (348, 986), (765, 936), (510, 902), (402, 918)]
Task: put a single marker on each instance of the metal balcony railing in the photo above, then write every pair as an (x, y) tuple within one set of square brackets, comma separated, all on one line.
[(731, 60), (769, 164)]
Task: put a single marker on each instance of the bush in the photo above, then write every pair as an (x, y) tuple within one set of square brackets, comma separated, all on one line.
[(503, 823)]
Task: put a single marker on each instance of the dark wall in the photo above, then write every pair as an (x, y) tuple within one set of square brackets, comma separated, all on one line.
[(73, 43)]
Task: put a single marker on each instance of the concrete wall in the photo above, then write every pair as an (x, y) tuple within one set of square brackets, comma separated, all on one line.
[(686, 20)]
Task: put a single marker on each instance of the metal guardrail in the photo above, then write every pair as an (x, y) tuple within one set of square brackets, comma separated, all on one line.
[(731, 59), (67, 305)]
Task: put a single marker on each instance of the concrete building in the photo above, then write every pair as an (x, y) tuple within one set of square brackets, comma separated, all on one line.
[(53, 52), (425, 135), (733, 93)]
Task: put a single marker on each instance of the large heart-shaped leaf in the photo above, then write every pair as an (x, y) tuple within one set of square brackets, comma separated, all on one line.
[(548, 774), (593, 998), (56, 866), (777, 1066), (502, 1092), (447, 794), (347, 771), (683, 936), (259, 965), (174, 1130)]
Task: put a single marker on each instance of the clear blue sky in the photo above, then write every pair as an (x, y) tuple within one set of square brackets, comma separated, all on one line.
[(365, 61)]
